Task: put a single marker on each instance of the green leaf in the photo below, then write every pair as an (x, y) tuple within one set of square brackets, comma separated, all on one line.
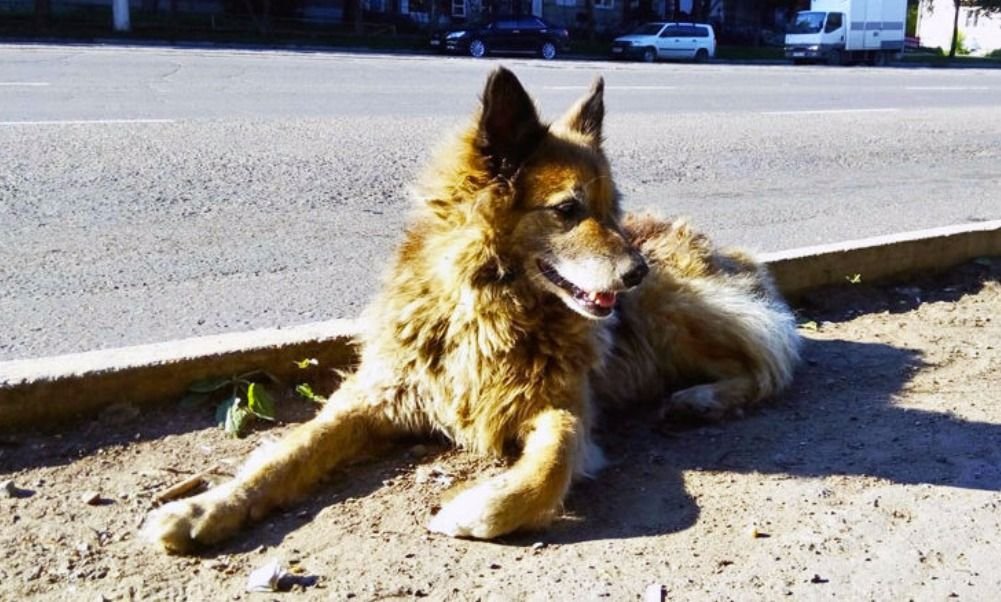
[(193, 399), (854, 279), (306, 391), (208, 385), (811, 325), (222, 410), (236, 419), (259, 402), (306, 363)]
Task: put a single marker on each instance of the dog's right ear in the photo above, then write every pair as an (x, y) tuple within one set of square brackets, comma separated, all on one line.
[(509, 128)]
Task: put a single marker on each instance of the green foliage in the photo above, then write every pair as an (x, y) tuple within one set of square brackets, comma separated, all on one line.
[(306, 392), (961, 48), (259, 402), (984, 7), (243, 400), (854, 279), (307, 363)]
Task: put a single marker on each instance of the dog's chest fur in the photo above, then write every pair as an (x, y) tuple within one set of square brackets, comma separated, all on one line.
[(476, 362)]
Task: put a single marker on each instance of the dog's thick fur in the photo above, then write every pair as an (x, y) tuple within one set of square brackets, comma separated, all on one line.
[(521, 299)]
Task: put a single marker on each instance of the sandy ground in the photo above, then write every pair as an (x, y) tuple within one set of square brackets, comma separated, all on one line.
[(876, 477)]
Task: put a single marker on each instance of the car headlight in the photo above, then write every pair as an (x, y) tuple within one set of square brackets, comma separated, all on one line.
[(815, 47), (452, 35)]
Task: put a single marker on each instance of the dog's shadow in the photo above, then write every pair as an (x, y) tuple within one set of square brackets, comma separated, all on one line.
[(839, 418)]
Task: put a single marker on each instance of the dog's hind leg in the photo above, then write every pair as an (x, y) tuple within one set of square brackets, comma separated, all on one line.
[(530, 492), (712, 401), (273, 476), (743, 348)]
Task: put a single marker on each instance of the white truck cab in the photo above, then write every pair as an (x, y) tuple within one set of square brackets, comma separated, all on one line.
[(847, 31)]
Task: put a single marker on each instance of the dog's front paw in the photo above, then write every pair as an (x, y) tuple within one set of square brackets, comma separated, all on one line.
[(700, 402), (184, 526), (473, 513)]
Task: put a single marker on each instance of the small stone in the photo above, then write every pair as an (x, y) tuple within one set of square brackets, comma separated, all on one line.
[(8, 488), (435, 475), (419, 451), (265, 578), (655, 592), (91, 498), (756, 532), (538, 545)]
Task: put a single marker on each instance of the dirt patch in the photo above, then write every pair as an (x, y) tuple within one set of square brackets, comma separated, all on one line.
[(877, 476)]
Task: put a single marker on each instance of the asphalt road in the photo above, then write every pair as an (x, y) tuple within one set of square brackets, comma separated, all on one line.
[(150, 194)]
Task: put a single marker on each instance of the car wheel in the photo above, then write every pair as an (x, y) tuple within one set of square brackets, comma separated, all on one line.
[(834, 58), (477, 49), (649, 55), (548, 51), (879, 59), (702, 55)]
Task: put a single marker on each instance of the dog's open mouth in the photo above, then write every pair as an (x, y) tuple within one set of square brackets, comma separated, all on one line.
[(598, 304)]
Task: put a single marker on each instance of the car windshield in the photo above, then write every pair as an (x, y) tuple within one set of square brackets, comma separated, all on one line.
[(650, 29), (808, 22)]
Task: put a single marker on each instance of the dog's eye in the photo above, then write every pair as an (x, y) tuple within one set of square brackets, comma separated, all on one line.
[(568, 209)]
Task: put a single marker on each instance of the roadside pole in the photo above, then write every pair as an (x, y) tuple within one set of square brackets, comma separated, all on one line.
[(120, 14)]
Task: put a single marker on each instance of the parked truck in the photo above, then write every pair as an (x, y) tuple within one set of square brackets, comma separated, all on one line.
[(840, 32)]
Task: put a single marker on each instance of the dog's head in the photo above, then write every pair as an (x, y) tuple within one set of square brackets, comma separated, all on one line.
[(546, 196)]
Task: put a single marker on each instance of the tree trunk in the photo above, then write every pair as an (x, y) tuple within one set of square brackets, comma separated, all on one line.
[(955, 30)]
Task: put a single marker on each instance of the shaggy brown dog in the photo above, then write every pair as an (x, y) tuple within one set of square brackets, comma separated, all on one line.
[(520, 298)]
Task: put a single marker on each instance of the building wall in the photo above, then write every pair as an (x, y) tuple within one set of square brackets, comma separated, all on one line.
[(982, 35)]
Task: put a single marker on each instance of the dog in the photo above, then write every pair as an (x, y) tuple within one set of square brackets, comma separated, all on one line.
[(521, 302)]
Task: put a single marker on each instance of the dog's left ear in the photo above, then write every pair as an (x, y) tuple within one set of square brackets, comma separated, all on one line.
[(509, 128), (586, 116)]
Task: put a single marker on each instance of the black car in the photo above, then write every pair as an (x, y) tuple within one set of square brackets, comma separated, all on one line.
[(507, 34)]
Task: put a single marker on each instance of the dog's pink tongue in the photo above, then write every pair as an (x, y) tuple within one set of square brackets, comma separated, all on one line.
[(603, 299)]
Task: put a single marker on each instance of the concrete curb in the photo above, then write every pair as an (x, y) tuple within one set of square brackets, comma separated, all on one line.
[(897, 256), (44, 391)]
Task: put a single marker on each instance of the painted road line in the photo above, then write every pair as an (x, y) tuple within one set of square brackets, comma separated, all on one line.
[(608, 88), (85, 122), (828, 111), (948, 88)]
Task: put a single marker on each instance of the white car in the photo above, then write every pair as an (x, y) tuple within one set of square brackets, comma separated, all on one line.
[(685, 41)]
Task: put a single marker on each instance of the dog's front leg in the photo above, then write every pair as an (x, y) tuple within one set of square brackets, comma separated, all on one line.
[(529, 493), (273, 475)]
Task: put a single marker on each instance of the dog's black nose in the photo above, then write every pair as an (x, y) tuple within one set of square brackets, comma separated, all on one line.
[(634, 276)]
